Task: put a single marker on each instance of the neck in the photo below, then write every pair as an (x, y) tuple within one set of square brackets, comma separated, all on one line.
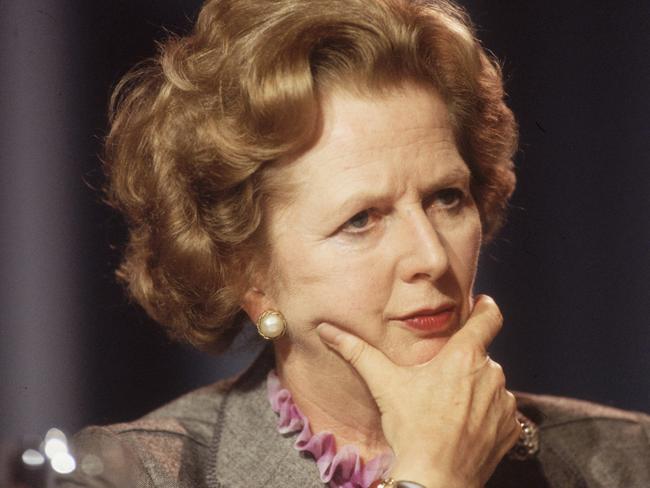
[(334, 398)]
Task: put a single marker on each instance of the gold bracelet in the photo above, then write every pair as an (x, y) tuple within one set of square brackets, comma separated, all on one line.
[(391, 483), (387, 483)]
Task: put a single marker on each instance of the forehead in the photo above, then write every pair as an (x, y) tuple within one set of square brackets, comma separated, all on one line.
[(384, 140), (385, 120)]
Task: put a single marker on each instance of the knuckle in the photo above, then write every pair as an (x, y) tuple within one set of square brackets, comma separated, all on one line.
[(498, 374), (493, 313), (500, 382), (496, 316), (512, 400), (496, 367), (511, 404)]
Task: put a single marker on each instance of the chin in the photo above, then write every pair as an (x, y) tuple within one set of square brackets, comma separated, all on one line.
[(420, 352)]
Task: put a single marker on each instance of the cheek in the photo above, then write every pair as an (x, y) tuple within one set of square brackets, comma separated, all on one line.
[(471, 247), (464, 243), (318, 285), (465, 248)]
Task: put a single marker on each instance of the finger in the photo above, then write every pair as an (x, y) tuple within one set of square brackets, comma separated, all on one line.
[(511, 405), (371, 364), (497, 375), (513, 432), (508, 405), (483, 324), (490, 391), (510, 433)]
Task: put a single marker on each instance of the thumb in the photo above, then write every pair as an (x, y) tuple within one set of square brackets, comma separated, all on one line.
[(482, 326), (371, 364)]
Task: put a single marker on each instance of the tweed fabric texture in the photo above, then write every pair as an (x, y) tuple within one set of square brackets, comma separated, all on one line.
[(224, 436)]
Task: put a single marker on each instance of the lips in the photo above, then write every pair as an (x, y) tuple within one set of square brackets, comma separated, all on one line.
[(430, 319)]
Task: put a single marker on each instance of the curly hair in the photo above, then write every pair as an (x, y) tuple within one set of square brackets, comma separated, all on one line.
[(193, 130)]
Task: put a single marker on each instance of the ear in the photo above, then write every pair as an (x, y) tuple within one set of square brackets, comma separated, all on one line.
[(255, 302)]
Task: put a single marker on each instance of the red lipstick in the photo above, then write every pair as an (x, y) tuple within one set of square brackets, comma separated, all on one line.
[(430, 320)]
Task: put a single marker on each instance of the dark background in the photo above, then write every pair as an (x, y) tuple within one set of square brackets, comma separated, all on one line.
[(570, 271)]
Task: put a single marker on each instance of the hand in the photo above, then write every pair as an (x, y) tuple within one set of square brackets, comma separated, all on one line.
[(449, 421)]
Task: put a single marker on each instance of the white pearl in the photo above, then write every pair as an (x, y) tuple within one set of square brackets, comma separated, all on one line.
[(272, 326)]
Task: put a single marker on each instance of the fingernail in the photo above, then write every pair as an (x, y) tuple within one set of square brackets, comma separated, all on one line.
[(329, 334)]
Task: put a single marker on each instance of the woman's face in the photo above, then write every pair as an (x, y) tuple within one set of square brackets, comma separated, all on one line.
[(379, 233)]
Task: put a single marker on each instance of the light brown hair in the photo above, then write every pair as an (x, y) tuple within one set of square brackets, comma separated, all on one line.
[(193, 130)]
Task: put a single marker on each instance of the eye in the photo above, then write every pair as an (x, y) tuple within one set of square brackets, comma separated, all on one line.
[(358, 222), (448, 198)]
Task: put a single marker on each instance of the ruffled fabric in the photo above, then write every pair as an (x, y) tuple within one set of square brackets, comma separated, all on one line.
[(342, 468)]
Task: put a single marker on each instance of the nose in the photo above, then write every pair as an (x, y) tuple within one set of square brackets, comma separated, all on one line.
[(424, 253)]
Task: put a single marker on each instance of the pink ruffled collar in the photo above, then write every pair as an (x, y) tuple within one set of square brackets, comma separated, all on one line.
[(342, 468)]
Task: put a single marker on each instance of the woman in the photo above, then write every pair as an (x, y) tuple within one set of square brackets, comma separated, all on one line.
[(330, 169)]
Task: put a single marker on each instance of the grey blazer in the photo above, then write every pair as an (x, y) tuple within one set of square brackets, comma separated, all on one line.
[(224, 436)]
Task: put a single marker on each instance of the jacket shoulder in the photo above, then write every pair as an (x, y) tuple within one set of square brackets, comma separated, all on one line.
[(166, 448), (192, 415), (554, 410), (607, 446)]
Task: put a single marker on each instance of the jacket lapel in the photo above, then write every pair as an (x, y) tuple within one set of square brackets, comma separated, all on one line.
[(247, 450)]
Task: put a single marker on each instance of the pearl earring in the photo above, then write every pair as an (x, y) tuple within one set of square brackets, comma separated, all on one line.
[(271, 325)]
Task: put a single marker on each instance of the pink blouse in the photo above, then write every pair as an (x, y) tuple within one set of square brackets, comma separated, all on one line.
[(341, 468)]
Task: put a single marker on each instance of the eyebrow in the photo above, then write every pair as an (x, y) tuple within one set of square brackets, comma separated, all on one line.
[(454, 175), (369, 198)]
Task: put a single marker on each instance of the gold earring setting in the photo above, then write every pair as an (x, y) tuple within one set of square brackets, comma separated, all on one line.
[(271, 325)]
